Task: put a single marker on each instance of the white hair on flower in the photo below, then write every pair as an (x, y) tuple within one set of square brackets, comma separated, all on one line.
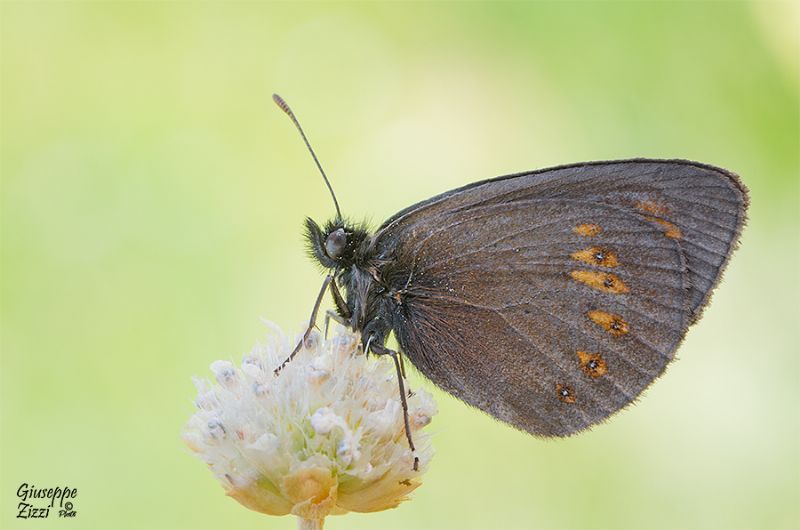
[(324, 437)]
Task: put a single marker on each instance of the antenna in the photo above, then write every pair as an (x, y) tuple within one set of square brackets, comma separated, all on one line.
[(285, 108)]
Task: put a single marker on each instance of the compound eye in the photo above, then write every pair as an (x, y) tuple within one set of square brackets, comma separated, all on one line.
[(335, 243)]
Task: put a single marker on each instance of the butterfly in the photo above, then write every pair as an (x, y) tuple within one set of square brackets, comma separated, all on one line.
[(549, 299)]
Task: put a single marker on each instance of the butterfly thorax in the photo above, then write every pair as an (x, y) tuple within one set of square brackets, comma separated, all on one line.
[(347, 250)]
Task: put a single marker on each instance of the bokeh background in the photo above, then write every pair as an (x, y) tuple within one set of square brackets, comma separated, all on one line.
[(152, 201)]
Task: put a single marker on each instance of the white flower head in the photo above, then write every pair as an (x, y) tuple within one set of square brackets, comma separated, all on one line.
[(326, 436)]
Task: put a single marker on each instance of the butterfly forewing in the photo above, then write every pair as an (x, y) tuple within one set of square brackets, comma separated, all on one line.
[(530, 306), (700, 206), (552, 299)]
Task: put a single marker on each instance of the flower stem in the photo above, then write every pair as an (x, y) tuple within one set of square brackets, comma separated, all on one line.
[(309, 524)]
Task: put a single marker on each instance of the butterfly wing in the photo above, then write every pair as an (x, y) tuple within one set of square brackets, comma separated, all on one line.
[(552, 299), (699, 205)]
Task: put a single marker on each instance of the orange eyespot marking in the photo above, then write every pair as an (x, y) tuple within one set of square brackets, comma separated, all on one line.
[(592, 364), (652, 207), (565, 393), (609, 322), (602, 281), (596, 256), (587, 229), (670, 230)]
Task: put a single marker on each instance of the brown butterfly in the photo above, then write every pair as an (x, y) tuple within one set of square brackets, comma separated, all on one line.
[(549, 299)]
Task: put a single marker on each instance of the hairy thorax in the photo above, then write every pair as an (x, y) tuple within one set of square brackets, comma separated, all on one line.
[(368, 298)]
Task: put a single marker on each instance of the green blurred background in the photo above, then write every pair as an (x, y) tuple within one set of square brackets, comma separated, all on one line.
[(152, 200)]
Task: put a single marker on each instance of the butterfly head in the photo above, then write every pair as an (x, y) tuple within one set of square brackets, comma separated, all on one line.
[(334, 245)]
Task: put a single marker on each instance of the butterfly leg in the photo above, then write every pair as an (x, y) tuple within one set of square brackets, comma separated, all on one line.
[(311, 323), (333, 315), (379, 349), (342, 314), (403, 370)]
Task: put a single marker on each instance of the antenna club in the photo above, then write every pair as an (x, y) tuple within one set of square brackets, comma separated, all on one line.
[(282, 104)]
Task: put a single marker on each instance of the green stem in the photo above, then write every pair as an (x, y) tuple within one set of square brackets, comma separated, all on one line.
[(309, 524)]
